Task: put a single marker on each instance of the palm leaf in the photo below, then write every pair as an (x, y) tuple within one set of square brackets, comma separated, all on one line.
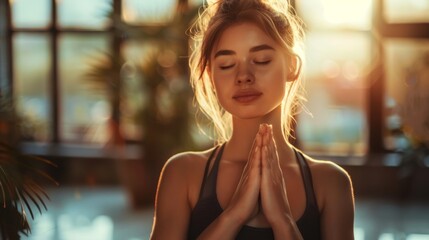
[(21, 180)]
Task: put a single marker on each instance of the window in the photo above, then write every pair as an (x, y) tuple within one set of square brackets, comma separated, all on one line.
[(367, 68), (339, 55), (364, 58), (407, 93), (410, 11), (62, 64)]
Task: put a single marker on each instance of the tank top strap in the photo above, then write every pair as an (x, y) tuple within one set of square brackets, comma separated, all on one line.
[(208, 186), (307, 179)]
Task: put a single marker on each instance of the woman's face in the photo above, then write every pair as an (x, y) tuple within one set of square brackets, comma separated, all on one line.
[(249, 71)]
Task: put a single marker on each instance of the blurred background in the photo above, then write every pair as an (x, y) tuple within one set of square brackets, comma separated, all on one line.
[(97, 86)]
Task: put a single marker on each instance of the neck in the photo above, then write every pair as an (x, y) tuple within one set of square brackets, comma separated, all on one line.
[(245, 130)]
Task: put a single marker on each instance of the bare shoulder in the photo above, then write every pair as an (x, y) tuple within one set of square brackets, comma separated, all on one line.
[(329, 180), (185, 171), (327, 170), (187, 161)]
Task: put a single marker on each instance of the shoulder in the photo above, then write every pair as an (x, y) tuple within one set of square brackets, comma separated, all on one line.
[(185, 171), (330, 181), (328, 171), (186, 161)]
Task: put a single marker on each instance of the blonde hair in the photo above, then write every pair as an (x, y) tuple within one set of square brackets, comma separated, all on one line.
[(277, 19)]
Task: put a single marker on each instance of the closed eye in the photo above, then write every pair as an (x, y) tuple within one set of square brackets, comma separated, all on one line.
[(262, 62), (226, 67)]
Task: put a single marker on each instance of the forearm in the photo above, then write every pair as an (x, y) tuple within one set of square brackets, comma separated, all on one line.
[(286, 228), (226, 226)]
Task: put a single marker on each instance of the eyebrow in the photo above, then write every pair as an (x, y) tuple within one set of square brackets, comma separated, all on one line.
[(253, 49), (261, 47)]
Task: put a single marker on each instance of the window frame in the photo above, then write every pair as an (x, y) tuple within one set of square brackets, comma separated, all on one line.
[(375, 92)]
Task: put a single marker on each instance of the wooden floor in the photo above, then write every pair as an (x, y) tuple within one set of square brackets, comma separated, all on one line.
[(104, 213)]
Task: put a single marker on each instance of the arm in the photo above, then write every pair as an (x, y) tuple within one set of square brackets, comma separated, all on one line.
[(172, 208), (338, 205), (243, 205)]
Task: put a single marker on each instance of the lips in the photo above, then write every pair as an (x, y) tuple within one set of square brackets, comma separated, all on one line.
[(247, 96)]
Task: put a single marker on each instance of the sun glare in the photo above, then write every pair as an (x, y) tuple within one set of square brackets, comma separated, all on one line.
[(349, 13)]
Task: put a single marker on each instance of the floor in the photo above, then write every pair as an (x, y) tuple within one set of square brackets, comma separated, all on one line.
[(104, 213)]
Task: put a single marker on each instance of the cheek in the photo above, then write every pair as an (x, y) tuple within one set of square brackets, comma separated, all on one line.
[(221, 87), (222, 80)]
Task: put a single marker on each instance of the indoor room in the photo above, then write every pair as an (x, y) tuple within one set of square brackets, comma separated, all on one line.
[(95, 97)]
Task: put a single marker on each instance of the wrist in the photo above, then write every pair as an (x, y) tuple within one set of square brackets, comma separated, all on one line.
[(282, 222), (286, 228), (232, 218)]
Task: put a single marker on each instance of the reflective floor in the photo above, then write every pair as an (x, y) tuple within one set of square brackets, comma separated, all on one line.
[(105, 214)]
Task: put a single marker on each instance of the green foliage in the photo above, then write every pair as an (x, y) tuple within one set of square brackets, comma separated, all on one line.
[(22, 178), (164, 115)]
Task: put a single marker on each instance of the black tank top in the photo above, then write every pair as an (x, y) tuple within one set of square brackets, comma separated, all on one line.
[(207, 209)]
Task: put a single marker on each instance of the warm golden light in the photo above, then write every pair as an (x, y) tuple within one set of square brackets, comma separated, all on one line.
[(349, 13), (399, 11), (128, 14)]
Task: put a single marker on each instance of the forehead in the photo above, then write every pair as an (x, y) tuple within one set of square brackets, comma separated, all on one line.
[(243, 35)]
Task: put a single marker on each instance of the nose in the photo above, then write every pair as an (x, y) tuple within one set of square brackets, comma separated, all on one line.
[(244, 75)]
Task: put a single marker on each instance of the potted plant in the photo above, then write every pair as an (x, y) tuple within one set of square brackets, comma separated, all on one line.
[(22, 177), (165, 116)]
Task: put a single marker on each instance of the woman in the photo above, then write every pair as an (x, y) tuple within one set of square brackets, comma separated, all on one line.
[(246, 72)]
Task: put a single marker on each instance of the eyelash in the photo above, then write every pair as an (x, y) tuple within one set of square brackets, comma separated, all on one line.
[(226, 67), (256, 62), (262, 62)]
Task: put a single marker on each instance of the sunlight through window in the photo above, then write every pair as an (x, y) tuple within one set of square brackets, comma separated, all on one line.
[(387, 236), (418, 237), (409, 11), (339, 14), (148, 12), (359, 234), (81, 227), (31, 13)]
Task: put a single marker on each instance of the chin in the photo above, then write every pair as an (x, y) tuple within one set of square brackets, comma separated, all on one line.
[(250, 115)]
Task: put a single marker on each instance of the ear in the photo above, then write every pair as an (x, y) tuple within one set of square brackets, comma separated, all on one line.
[(295, 65)]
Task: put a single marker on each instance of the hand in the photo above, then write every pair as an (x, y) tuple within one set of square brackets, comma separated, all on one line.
[(274, 201), (244, 202)]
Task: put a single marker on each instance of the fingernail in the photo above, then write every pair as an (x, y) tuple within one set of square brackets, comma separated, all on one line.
[(260, 127)]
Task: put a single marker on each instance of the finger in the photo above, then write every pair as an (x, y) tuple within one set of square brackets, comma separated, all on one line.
[(272, 152), (264, 162), (258, 139), (266, 173), (265, 136), (256, 143), (273, 146), (255, 163), (274, 161)]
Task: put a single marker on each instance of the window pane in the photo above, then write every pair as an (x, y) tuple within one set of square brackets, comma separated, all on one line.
[(31, 70), (84, 111), (148, 11), (354, 14), (31, 13), (335, 83), (91, 14), (407, 92), (409, 11)]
